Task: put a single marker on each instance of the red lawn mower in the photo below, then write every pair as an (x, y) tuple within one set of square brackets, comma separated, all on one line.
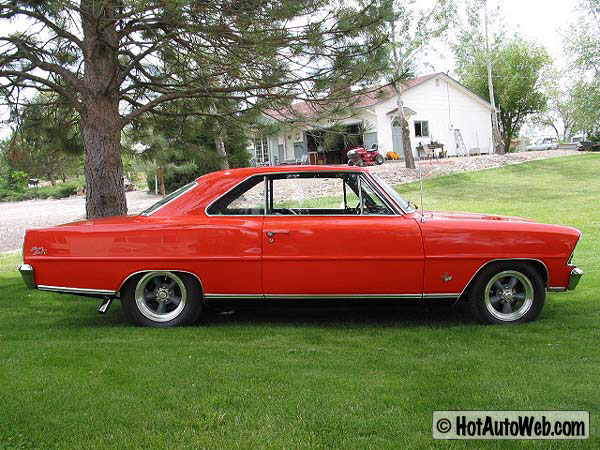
[(360, 156)]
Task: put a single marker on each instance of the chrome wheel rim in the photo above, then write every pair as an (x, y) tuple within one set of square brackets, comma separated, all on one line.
[(160, 296), (509, 295)]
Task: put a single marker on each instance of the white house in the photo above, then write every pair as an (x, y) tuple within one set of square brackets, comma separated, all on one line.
[(439, 109)]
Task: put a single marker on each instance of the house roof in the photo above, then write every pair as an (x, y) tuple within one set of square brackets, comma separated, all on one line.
[(365, 99)]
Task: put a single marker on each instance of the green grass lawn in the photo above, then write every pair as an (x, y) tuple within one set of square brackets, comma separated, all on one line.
[(332, 378)]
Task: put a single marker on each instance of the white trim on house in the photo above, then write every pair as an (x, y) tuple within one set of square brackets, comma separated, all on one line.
[(440, 100)]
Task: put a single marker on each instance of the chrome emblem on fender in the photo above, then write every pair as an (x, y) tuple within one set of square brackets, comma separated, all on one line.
[(446, 277), (38, 250)]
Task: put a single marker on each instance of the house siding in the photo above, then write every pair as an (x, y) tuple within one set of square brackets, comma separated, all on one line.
[(440, 101)]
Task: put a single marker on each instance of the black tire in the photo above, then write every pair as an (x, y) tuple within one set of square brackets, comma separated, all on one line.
[(360, 163), (350, 162), (141, 311), (527, 296), (379, 160)]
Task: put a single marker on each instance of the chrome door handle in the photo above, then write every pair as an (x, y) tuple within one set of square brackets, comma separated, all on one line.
[(273, 233)]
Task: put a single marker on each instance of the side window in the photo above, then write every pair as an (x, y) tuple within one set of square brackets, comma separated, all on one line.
[(421, 128), (323, 194), (372, 203), (246, 199)]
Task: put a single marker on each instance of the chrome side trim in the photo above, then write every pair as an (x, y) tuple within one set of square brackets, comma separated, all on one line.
[(310, 296), (70, 290), (28, 276), (160, 270), (442, 295), (230, 296), (334, 296), (505, 259)]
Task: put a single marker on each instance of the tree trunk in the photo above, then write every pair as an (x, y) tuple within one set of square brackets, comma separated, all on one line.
[(508, 134), (51, 178), (161, 179), (105, 191), (100, 122), (220, 144), (409, 159)]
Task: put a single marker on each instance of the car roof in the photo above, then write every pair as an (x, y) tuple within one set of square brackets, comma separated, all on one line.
[(249, 171)]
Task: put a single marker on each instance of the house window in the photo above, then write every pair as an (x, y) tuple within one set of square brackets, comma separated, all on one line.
[(421, 128), (261, 149)]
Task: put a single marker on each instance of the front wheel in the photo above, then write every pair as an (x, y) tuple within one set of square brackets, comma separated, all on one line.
[(360, 163), (379, 160), (508, 293), (162, 299)]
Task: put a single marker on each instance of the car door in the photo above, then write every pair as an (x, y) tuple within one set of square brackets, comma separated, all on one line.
[(319, 240)]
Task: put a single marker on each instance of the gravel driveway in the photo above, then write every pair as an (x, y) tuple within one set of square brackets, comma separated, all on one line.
[(15, 217)]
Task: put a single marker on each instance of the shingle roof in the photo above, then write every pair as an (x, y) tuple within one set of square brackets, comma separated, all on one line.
[(365, 99)]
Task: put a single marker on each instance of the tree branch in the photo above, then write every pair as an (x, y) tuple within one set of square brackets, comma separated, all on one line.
[(54, 86)]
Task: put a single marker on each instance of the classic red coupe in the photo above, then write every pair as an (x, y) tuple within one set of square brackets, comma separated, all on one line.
[(298, 232)]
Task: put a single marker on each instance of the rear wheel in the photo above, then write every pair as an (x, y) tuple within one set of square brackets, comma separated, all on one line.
[(162, 299), (508, 293)]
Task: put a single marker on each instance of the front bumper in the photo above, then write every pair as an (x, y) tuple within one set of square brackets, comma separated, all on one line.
[(26, 272), (574, 278)]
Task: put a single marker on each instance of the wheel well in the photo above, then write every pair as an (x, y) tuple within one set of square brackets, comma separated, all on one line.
[(538, 265), (136, 275)]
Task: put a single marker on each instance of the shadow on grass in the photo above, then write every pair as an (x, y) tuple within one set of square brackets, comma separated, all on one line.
[(408, 314), (380, 314)]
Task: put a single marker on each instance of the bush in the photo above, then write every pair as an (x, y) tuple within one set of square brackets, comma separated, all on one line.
[(175, 176), (59, 191)]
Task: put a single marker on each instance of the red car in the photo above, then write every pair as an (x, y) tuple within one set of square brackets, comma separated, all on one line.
[(291, 233)]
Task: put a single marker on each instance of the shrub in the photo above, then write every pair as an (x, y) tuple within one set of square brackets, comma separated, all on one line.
[(59, 191), (175, 176)]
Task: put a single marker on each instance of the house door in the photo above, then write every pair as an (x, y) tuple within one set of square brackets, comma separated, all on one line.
[(397, 138)]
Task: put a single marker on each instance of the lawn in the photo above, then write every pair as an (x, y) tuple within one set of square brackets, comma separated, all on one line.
[(334, 378)]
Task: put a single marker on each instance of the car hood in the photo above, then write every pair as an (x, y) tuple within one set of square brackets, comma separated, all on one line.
[(473, 216)]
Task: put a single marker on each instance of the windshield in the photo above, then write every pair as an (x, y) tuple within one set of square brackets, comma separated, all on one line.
[(172, 196), (406, 207)]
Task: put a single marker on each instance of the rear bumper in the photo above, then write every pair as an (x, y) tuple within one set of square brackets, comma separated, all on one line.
[(27, 274), (574, 278)]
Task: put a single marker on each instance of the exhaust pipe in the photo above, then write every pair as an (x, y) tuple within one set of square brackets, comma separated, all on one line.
[(105, 305)]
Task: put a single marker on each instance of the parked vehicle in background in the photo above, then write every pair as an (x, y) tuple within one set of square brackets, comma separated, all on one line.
[(361, 156), (547, 143), (269, 233), (587, 146)]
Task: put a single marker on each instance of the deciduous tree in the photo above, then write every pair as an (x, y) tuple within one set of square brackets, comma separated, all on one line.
[(519, 66)]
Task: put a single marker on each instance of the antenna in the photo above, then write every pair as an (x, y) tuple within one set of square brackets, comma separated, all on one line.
[(422, 204)]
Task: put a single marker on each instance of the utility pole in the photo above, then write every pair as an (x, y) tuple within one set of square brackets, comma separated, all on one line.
[(495, 130)]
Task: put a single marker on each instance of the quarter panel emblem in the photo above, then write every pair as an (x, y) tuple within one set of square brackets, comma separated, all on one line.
[(38, 250), (446, 277)]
